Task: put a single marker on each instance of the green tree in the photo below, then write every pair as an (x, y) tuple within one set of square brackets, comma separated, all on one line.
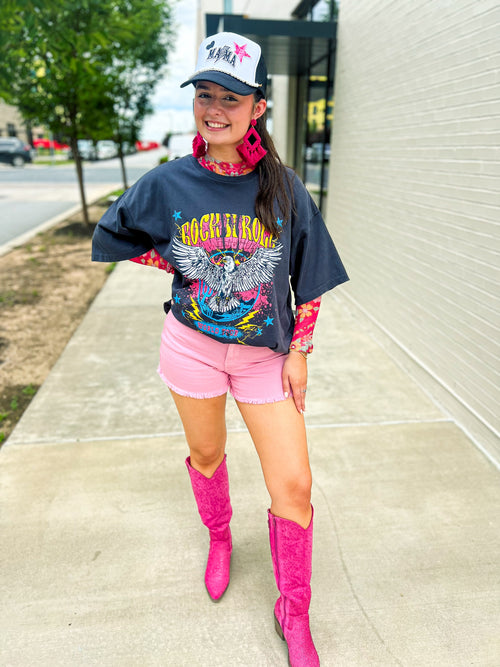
[(330, 10), (131, 106), (68, 65), (135, 76)]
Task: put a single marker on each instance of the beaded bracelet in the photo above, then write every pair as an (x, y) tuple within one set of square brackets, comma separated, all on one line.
[(304, 354)]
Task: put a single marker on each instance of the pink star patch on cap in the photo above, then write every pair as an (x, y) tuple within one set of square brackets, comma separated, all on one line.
[(240, 52), (231, 61)]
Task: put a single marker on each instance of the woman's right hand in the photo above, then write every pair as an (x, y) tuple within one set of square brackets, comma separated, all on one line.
[(294, 378)]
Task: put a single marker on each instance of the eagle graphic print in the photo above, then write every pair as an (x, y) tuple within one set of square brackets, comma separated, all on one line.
[(230, 261)]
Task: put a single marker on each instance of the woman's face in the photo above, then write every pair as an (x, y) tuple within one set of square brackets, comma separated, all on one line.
[(223, 117)]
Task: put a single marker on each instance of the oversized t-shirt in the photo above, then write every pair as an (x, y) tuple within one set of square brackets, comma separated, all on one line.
[(233, 280)]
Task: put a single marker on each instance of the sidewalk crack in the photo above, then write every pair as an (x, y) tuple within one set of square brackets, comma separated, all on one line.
[(349, 580)]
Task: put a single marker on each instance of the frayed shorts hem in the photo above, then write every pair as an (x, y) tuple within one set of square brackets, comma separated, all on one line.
[(187, 394), (258, 401), (183, 392)]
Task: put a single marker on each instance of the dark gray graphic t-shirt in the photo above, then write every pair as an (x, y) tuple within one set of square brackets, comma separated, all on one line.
[(233, 280)]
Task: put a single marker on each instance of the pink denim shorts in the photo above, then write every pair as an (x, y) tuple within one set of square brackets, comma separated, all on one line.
[(193, 364)]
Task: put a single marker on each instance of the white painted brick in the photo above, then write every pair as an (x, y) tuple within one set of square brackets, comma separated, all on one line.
[(414, 199)]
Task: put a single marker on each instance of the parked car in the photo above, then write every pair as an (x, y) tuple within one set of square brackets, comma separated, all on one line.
[(106, 149), (86, 149), (47, 143), (100, 150), (15, 152), (314, 152), (128, 148), (146, 145)]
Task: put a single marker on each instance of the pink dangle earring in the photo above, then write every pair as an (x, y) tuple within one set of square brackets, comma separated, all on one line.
[(199, 146), (251, 150)]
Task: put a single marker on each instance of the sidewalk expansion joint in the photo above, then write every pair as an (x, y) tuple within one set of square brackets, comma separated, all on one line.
[(177, 434)]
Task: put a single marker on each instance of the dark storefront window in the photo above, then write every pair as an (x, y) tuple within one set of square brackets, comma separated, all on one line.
[(316, 150), (319, 109)]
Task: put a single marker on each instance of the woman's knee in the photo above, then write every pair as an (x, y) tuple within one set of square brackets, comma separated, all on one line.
[(292, 500), (206, 458), (295, 491)]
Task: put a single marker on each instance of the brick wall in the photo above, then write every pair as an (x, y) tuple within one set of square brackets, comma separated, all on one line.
[(414, 200)]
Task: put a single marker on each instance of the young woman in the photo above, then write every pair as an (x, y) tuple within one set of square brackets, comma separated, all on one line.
[(240, 233)]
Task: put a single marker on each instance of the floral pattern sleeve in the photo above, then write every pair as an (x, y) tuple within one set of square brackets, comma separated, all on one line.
[(307, 314), (152, 258)]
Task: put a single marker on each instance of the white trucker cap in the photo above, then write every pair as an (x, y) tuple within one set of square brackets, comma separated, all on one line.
[(231, 61)]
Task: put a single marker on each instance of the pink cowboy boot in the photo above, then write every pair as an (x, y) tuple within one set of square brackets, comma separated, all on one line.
[(214, 506), (291, 551)]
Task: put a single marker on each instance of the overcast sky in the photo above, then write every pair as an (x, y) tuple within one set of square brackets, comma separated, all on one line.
[(173, 105)]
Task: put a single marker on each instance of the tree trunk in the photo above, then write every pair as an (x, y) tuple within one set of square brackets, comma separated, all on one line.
[(79, 173), (122, 163)]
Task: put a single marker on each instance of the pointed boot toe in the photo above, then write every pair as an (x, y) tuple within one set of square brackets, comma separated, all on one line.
[(217, 573), (291, 551), (301, 649)]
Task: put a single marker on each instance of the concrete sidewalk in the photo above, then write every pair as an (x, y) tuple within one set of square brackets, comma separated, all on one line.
[(102, 552)]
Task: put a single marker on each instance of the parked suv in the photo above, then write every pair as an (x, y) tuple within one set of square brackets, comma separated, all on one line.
[(106, 149), (87, 150), (101, 150), (15, 151)]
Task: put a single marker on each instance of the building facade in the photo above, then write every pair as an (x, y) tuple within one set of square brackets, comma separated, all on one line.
[(12, 123), (415, 199)]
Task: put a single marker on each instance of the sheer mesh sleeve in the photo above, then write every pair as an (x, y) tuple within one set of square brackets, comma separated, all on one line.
[(152, 258), (307, 314)]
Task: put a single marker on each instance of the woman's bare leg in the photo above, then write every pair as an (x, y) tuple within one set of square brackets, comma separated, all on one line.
[(279, 435), (204, 424)]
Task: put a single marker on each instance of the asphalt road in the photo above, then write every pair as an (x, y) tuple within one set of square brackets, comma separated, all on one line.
[(36, 196)]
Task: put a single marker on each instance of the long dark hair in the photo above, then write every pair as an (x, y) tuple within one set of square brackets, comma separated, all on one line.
[(274, 198)]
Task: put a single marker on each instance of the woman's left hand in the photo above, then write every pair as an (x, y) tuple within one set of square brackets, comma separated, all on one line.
[(295, 379)]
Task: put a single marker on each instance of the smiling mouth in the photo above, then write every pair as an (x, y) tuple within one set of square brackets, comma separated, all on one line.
[(215, 126)]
